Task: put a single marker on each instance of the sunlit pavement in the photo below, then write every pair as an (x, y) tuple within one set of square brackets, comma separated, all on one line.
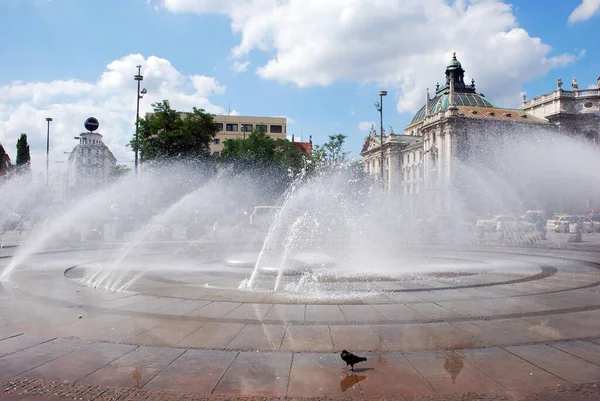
[(531, 331)]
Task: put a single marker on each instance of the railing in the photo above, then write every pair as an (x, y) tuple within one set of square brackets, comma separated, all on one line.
[(584, 93)]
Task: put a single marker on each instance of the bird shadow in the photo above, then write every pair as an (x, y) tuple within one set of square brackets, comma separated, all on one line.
[(350, 381), (358, 370)]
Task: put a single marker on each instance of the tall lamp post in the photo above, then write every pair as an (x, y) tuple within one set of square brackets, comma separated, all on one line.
[(379, 107), (140, 94), (48, 119)]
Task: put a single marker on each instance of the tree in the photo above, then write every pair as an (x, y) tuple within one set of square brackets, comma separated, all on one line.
[(165, 134), (119, 171), (23, 157), (276, 161), (331, 152)]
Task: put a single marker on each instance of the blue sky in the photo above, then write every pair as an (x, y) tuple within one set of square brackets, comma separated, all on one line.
[(325, 62)]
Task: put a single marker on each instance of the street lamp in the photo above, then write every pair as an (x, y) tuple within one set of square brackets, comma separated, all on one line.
[(48, 119), (140, 94), (379, 107)]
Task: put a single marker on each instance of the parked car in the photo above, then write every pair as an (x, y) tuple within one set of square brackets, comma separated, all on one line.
[(553, 223), (562, 224)]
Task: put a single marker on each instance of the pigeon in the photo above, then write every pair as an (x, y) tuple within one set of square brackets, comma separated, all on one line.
[(351, 359)]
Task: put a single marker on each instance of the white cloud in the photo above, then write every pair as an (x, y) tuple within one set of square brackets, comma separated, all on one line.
[(24, 107), (365, 125), (401, 45), (240, 66), (289, 120), (584, 11)]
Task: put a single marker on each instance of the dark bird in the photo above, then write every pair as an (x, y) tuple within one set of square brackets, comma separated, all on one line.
[(351, 359)]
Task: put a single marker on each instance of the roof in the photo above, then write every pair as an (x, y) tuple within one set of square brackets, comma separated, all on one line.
[(303, 147), (497, 114), (441, 101)]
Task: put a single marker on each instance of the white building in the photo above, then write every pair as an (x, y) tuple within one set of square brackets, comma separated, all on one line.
[(90, 163), (449, 129), (575, 112)]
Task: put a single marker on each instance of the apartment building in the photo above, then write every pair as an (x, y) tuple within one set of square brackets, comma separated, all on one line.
[(239, 127)]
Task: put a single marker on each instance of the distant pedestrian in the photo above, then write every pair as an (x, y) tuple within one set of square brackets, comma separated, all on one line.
[(500, 228)]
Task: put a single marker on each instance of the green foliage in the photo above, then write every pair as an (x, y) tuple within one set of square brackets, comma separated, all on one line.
[(259, 148), (331, 152), (119, 171), (23, 157), (166, 134)]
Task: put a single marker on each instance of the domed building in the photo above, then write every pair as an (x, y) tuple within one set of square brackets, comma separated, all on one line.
[(420, 163)]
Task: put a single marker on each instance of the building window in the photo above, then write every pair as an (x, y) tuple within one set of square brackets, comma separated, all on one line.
[(261, 128), (246, 127), (217, 141), (231, 127), (219, 127), (276, 129)]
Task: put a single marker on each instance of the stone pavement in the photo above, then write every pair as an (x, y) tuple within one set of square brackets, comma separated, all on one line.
[(80, 368), (519, 324)]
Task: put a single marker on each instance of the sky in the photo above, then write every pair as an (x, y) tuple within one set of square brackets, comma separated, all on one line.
[(320, 63)]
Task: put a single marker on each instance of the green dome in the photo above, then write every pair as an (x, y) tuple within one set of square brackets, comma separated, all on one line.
[(441, 101), (454, 63)]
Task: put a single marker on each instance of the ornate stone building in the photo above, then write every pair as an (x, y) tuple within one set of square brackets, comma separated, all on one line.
[(574, 112), (90, 163), (446, 131)]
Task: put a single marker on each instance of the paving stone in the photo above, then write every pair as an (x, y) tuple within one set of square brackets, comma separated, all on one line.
[(215, 310), (399, 312), (196, 371), (286, 313), (249, 312), (168, 333), (490, 333), (264, 337), (182, 307), (314, 375), (257, 374), (135, 368), (583, 349), (510, 371), (80, 363), (390, 374), (120, 302), (17, 343), (324, 314), (122, 330), (355, 337), (307, 338), (447, 372), (150, 305), (29, 358), (414, 337), (561, 364), (360, 314), (212, 335), (434, 311)]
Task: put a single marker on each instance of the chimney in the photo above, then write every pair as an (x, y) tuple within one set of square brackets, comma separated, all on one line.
[(292, 138), (310, 141)]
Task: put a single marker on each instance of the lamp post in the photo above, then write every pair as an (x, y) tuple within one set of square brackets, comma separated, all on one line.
[(140, 94), (48, 119), (379, 107)]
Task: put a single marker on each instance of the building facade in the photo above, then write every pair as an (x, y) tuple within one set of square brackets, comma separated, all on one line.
[(90, 163), (239, 127), (447, 131), (574, 112)]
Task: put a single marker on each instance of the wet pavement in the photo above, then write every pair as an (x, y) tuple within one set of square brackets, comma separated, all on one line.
[(526, 326)]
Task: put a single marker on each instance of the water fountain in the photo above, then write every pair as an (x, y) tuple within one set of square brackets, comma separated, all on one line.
[(335, 233)]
